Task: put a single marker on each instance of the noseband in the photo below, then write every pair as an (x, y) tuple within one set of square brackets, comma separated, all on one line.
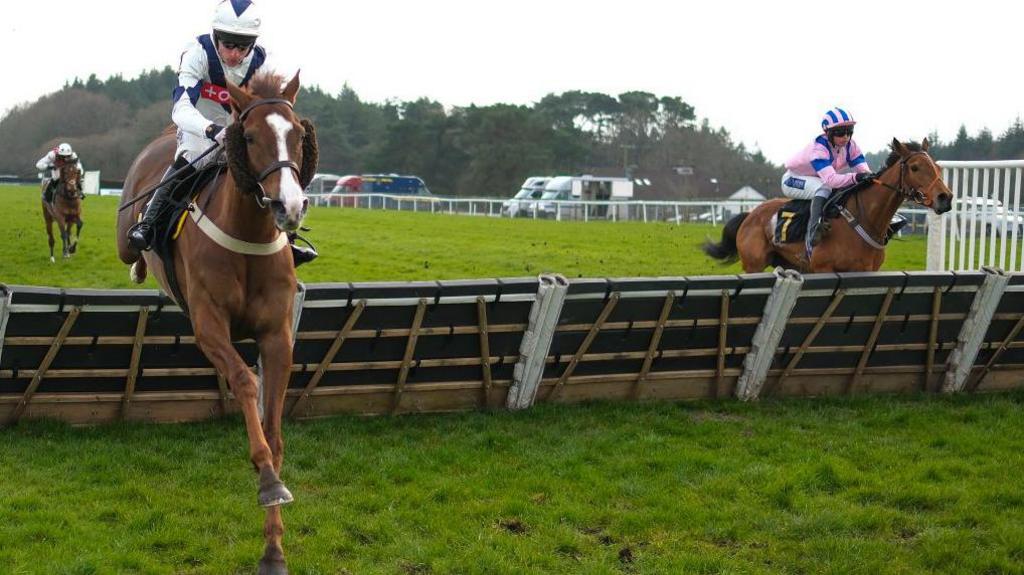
[(262, 199)]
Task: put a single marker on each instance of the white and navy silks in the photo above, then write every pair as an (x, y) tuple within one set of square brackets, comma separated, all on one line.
[(51, 163), (202, 98), (820, 168)]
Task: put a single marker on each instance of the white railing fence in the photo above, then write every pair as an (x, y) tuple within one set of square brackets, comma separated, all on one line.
[(711, 212), (985, 227)]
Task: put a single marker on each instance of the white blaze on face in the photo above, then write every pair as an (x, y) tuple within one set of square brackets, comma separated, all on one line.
[(291, 192)]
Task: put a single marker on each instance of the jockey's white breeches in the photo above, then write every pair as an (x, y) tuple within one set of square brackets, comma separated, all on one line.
[(803, 187)]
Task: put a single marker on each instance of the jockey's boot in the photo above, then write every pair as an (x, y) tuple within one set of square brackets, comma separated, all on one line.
[(140, 235), (48, 192), (300, 254), (814, 224)]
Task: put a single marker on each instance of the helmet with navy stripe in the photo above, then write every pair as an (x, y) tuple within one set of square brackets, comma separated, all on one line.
[(64, 149), (835, 118), (237, 21)]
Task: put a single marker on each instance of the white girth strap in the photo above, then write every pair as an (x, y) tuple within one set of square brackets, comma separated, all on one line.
[(229, 243)]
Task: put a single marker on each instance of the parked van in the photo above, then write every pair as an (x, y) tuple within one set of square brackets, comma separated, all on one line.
[(532, 189)]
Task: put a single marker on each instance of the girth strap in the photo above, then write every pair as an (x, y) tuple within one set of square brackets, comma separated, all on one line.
[(864, 235)]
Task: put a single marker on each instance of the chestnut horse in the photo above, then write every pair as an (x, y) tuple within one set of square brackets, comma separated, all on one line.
[(66, 209), (910, 174), (234, 268)]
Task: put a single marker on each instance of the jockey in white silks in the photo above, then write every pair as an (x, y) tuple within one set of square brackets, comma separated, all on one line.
[(832, 161), (202, 105), (52, 162)]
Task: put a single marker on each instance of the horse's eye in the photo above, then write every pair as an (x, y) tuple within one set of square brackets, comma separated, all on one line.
[(913, 168), (248, 139)]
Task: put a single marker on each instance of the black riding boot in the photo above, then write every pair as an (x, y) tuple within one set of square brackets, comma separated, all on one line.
[(814, 224), (140, 236), (48, 192), (300, 254)]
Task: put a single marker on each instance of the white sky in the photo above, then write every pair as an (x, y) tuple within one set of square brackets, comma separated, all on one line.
[(766, 71)]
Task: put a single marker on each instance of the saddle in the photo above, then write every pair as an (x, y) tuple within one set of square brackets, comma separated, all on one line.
[(167, 229), (792, 218)]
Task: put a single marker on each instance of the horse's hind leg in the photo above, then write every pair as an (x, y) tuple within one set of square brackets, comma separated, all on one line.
[(754, 248), (49, 231)]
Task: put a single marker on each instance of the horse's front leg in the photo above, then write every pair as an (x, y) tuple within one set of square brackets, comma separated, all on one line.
[(214, 338), (65, 237), (78, 234), (276, 359)]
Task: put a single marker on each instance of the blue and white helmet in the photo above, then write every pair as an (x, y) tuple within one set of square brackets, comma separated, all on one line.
[(235, 18), (835, 118)]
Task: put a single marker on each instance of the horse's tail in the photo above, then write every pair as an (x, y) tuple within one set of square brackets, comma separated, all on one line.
[(726, 250)]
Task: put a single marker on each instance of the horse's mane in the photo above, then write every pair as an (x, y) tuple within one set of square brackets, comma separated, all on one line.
[(894, 156), (266, 85)]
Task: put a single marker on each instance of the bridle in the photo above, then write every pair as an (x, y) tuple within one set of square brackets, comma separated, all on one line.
[(262, 199), (911, 193), (65, 181)]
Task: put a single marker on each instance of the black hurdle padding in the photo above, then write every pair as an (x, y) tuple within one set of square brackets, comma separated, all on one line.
[(448, 305)]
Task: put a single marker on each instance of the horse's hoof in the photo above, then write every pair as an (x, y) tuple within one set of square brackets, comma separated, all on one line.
[(272, 490), (52, 261), (72, 249), (277, 567)]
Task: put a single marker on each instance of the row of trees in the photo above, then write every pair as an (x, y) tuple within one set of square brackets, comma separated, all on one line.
[(467, 151), (984, 146)]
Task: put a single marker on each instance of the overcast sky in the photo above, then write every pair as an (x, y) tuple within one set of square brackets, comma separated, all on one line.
[(765, 71)]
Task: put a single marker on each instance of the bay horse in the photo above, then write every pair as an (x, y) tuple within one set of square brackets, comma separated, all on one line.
[(66, 209), (910, 174), (234, 268)]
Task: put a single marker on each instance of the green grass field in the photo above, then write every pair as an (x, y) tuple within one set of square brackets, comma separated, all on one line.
[(360, 245), (856, 485)]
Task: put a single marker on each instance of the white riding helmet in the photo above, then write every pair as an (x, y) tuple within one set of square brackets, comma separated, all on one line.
[(237, 18), (64, 149)]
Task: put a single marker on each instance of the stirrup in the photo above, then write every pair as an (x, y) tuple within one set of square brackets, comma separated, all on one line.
[(301, 255)]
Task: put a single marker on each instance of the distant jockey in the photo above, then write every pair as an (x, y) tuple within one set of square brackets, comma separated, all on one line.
[(53, 161)]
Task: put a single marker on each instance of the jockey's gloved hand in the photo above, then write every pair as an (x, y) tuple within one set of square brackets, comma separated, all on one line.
[(215, 133), (861, 176)]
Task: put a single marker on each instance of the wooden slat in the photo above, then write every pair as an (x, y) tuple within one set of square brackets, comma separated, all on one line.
[(723, 327), (818, 325), (869, 346), (933, 337), (69, 322), (410, 347), (652, 347), (133, 365), (332, 351), (998, 352), (594, 329), (485, 349)]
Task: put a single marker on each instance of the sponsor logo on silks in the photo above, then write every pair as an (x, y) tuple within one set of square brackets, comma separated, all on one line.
[(796, 183), (215, 93)]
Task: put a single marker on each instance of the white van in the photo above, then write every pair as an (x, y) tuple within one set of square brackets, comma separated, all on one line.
[(531, 189)]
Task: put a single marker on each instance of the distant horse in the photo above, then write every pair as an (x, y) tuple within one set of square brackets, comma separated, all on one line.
[(910, 174), (234, 268), (66, 209)]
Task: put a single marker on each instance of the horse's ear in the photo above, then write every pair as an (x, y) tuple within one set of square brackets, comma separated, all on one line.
[(899, 148), (925, 144), (292, 89), (240, 99)]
